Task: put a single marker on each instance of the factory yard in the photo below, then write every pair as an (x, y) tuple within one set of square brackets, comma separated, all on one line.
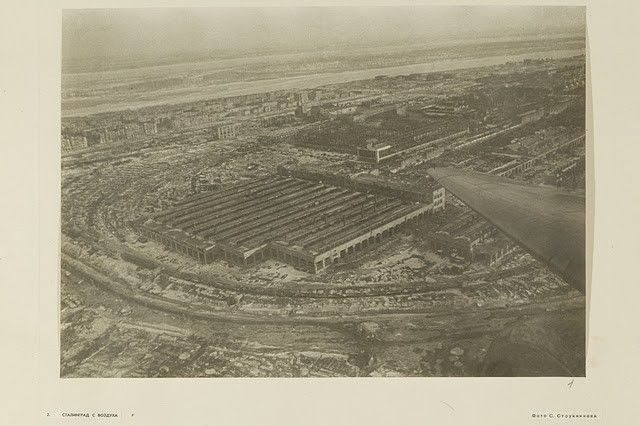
[(238, 238)]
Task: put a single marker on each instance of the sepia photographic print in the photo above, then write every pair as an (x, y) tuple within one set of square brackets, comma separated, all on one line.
[(323, 192)]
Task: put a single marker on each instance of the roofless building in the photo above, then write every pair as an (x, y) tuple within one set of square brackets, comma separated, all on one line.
[(307, 224)]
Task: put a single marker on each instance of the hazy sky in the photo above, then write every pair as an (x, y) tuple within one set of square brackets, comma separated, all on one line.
[(130, 33)]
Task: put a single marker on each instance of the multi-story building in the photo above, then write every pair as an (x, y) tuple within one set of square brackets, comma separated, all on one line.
[(226, 131), (374, 151), (73, 143)]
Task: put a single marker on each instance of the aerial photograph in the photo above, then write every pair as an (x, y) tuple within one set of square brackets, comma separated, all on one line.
[(357, 191)]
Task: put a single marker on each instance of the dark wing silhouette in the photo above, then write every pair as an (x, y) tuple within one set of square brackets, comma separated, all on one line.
[(548, 222)]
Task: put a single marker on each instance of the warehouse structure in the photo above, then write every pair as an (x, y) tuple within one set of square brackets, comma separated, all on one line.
[(461, 236), (471, 238), (307, 224), (430, 192)]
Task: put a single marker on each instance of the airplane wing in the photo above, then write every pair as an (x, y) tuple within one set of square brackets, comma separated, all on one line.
[(548, 222)]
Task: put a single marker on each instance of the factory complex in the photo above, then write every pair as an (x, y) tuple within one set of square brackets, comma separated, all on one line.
[(303, 222)]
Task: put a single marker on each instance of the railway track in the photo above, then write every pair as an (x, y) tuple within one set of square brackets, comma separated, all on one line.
[(172, 306)]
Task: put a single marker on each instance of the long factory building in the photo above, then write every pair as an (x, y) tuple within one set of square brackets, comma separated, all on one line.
[(307, 224)]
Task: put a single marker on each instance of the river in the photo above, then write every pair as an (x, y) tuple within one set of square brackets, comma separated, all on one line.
[(94, 105)]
